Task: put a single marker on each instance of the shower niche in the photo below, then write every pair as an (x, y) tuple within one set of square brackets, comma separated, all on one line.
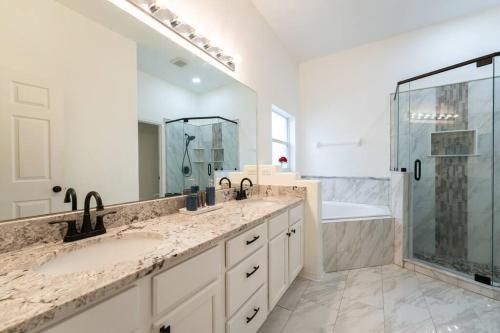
[(445, 132), (200, 150)]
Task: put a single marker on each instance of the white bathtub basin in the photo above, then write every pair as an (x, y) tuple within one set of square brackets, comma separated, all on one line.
[(333, 211)]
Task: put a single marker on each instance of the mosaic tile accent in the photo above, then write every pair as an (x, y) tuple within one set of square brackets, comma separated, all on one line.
[(451, 176)]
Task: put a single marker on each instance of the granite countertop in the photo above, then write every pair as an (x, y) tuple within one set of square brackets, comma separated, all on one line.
[(30, 299)]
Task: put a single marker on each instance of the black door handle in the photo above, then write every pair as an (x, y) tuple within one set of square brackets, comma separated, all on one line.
[(255, 311), (417, 171), (209, 169), (255, 269), (253, 240)]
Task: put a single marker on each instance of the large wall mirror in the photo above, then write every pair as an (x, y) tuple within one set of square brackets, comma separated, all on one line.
[(91, 98)]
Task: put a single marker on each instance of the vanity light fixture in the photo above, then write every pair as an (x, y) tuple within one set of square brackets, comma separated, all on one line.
[(170, 20)]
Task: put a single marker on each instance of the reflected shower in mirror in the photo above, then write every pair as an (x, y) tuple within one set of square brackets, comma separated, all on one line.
[(97, 97)]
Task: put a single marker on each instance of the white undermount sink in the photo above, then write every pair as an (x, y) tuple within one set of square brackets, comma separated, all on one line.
[(105, 253)]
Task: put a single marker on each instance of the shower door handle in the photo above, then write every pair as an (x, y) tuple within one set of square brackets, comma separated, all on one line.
[(209, 169), (417, 171)]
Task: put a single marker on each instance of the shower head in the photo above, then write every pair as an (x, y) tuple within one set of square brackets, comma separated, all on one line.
[(189, 137)]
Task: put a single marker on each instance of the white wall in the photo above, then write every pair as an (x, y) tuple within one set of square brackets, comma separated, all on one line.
[(345, 96), (158, 99), (265, 65), (96, 69), (235, 101)]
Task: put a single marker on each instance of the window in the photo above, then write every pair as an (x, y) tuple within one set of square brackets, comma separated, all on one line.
[(281, 137)]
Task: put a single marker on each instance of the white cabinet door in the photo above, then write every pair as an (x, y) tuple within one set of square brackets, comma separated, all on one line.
[(295, 250), (117, 314), (202, 313), (278, 268)]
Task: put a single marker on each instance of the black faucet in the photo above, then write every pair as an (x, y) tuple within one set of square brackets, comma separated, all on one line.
[(242, 193), (86, 230), (70, 196), (225, 178), (87, 222)]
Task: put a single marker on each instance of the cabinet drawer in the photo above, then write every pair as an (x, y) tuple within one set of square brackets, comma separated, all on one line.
[(296, 214), (185, 279), (242, 246), (251, 315), (244, 279), (278, 224)]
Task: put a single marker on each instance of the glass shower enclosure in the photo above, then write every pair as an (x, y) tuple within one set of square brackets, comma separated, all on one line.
[(199, 149), (445, 133)]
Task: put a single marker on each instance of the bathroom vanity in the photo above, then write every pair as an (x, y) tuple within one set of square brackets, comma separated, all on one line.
[(222, 271)]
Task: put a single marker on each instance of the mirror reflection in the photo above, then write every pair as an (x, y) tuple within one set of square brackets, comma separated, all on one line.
[(91, 98)]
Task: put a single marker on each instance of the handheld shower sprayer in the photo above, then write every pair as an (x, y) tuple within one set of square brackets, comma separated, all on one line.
[(187, 171)]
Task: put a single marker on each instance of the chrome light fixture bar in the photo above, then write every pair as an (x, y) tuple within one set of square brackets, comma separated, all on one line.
[(171, 21)]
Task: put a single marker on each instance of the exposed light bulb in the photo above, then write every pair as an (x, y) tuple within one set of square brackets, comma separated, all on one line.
[(184, 29), (196, 80), (147, 5), (165, 15)]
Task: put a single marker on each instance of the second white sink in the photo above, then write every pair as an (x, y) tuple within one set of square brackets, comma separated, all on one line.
[(100, 255)]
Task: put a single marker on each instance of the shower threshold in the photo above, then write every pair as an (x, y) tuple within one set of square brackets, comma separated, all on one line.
[(452, 278)]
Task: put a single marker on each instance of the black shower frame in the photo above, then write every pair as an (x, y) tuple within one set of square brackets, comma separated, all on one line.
[(199, 118), (480, 62)]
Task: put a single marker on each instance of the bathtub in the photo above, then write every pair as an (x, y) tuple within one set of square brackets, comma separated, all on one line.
[(333, 211)]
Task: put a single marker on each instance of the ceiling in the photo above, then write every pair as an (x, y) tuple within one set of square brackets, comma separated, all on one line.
[(154, 51), (314, 28)]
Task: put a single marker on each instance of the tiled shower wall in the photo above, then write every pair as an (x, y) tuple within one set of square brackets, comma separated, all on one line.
[(372, 191), (452, 203)]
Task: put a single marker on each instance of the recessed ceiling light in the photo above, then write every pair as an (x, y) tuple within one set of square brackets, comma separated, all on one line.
[(196, 80)]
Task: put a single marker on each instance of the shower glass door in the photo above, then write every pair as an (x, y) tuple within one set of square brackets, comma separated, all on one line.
[(450, 150), (496, 174)]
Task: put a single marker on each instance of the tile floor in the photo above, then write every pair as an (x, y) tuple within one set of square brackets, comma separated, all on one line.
[(381, 299)]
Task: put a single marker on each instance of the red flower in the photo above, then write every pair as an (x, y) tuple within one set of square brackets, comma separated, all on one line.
[(283, 159)]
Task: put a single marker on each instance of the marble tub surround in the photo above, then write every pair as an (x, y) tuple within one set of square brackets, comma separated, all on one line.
[(400, 192), (350, 244), (364, 190), (29, 300)]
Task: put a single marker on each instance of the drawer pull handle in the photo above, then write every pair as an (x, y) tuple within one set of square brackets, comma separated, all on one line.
[(255, 269), (294, 231), (253, 240), (255, 311), (288, 234)]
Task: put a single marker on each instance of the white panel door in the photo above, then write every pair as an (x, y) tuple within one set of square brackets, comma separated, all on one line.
[(31, 145), (295, 250), (202, 313), (117, 314), (278, 268)]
